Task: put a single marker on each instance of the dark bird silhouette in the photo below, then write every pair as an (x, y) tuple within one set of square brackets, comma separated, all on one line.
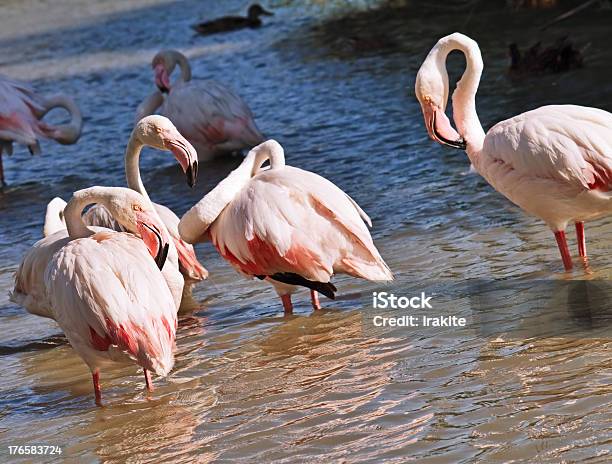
[(559, 57), (233, 23)]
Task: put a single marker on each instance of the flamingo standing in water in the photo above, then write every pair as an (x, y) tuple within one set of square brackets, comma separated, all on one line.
[(20, 113), (210, 115), (105, 288), (286, 225), (158, 132), (555, 162), (154, 131)]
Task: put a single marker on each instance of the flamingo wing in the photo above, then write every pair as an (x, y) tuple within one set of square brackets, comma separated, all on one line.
[(18, 109), (572, 144), (30, 291), (211, 114), (108, 296), (293, 221)]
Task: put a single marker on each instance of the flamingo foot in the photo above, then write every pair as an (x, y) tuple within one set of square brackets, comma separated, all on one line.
[(581, 239), (287, 305), (95, 375), (564, 249), (147, 375), (314, 298)]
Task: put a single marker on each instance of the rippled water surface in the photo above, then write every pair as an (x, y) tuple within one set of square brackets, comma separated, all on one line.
[(251, 384)]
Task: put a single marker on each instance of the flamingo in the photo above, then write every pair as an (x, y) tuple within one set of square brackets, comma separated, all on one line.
[(158, 132), (285, 225), (210, 115), (105, 288), (21, 111), (554, 162)]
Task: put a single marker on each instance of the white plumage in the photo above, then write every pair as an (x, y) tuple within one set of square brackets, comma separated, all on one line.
[(284, 220), (555, 162)]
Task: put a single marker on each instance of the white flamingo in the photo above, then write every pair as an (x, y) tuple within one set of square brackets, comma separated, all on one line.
[(105, 288), (555, 162), (210, 115), (286, 225), (21, 111), (158, 132)]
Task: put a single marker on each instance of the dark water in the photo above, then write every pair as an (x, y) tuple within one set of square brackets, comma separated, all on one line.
[(251, 384)]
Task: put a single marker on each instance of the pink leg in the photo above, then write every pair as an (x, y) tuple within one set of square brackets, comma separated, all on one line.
[(564, 249), (148, 380), (95, 375), (286, 299), (581, 239), (314, 298)]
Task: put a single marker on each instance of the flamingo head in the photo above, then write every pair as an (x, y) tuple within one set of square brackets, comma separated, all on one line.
[(159, 132), (137, 216), (163, 64), (431, 90)]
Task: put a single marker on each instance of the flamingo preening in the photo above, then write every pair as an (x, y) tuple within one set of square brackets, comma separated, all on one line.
[(288, 226), (158, 132), (555, 162), (210, 115), (21, 111), (105, 289)]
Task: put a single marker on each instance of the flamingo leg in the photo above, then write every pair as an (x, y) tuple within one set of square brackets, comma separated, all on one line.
[(286, 299), (581, 239), (2, 183), (314, 298), (95, 375), (147, 375), (564, 249)]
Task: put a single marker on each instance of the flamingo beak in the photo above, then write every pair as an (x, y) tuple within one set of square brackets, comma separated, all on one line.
[(440, 128), (162, 80), (153, 238), (186, 155)]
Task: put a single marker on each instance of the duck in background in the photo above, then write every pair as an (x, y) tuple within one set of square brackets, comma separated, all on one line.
[(561, 56), (233, 23)]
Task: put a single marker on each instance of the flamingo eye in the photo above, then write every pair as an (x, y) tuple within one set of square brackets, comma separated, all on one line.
[(136, 207)]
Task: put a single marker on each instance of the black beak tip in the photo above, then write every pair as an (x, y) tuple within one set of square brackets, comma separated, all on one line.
[(160, 259), (163, 89), (192, 174)]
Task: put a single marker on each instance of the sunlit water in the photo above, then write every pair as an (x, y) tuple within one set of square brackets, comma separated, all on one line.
[(251, 384)]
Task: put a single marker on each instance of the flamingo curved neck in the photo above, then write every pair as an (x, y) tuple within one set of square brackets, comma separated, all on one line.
[(132, 167), (464, 97), (184, 66), (73, 213), (149, 105), (64, 133)]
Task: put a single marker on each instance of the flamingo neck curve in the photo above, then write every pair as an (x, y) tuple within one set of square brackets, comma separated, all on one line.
[(464, 97), (74, 209), (184, 66), (64, 133), (132, 167)]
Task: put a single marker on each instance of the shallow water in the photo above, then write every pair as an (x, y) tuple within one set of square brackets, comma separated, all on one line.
[(251, 383)]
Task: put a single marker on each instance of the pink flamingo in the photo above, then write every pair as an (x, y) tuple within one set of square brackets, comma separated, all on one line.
[(210, 115), (555, 162), (20, 113), (105, 288), (286, 225), (158, 132)]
